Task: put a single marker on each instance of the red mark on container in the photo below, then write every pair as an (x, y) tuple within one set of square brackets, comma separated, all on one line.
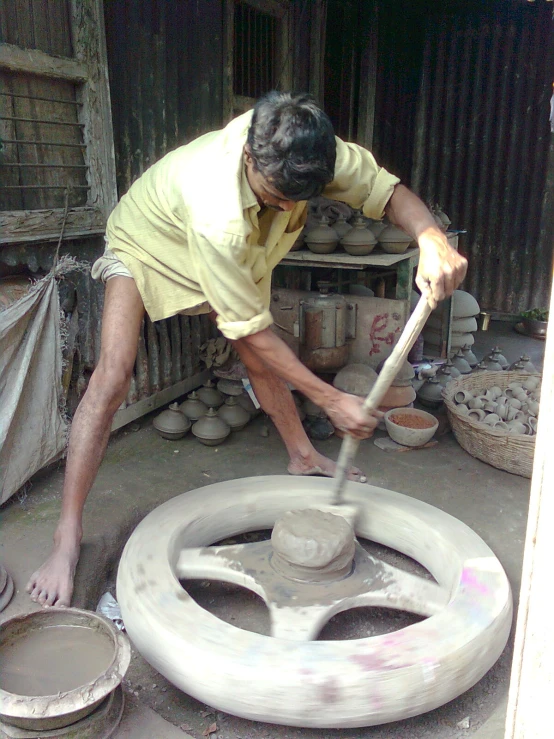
[(379, 333)]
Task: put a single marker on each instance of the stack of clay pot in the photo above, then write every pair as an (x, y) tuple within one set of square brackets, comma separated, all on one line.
[(514, 410), (465, 310), (401, 393)]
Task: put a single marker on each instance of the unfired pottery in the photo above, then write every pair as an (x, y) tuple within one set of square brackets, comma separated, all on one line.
[(497, 355), (524, 364), (171, 423), (469, 356), (491, 364), (430, 393), (322, 239), (44, 713), (444, 375), (246, 402), (359, 241), (377, 227), (341, 226), (193, 407), (394, 240), (406, 436), (210, 395), (230, 387), (210, 429), (464, 305), (234, 415), (404, 376), (461, 363), (312, 410), (356, 379), (398, 397)]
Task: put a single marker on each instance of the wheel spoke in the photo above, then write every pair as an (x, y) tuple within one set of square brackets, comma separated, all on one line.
[(233, 564), (298, 623), (391, 587)]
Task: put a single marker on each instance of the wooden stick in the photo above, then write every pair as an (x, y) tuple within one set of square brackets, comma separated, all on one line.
[(390, 369)]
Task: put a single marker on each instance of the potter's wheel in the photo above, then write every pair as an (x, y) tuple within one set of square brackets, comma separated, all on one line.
[(289, 678)]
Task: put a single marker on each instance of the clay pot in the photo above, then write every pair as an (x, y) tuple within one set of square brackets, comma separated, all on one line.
[(356, 379), (394, 240), (359, 241), (463, 396), (477, 414), (210, 429), (377, 227), (463, 409), (234, 415), (171, 423), (531, 384), (230, 387), (464, 325), (461, 363), (491, 363), (193, 407), (430, 393), (404, 376), (464, 305), (210, 396), (516, 427), (491, 419), (469, 356), (481, 367), (341, 226), (246, 402), (533, 407), (524, 364), (444, 375), (490, 407), (312, 410), (406, 436), (497, 355), (398, 397), (322, 239), (454, 371), (319, 429), (477, 402)]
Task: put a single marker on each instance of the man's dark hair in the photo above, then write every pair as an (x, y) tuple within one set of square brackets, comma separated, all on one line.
[(292, 144)]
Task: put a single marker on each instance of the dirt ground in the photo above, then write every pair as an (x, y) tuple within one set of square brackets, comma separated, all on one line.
[(141, 471)]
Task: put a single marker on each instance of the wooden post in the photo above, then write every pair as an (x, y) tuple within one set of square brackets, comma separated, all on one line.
[(532, 681)]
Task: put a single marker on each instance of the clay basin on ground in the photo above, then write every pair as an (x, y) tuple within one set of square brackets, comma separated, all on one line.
[(57, 666)]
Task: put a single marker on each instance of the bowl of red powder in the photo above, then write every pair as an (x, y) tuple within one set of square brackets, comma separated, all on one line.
[(410, 426)]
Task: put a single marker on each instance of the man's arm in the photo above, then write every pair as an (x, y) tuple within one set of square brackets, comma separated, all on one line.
[(441, 268), (345, 411)]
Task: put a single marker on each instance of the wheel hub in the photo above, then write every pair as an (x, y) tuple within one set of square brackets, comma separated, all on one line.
[(313, 546)]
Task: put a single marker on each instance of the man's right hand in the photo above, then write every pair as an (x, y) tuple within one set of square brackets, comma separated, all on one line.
[(347, 414)]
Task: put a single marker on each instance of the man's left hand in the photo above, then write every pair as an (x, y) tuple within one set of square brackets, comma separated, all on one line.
[(441, 269)]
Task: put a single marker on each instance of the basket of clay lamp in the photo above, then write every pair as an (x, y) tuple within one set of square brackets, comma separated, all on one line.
[(480, 434)]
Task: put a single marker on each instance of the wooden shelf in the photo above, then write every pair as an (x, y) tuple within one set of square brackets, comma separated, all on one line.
[(342, 260)]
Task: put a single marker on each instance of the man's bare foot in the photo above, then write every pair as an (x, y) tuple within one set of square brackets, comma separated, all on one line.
[(317, 464), (52, 584)]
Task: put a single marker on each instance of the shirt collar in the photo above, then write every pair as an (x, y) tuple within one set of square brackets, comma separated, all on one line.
[(247, 196)]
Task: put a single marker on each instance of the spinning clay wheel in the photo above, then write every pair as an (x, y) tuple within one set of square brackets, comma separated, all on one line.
[(312, 569)]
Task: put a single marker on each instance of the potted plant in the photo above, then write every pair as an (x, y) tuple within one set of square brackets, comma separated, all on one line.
[(535, 321)]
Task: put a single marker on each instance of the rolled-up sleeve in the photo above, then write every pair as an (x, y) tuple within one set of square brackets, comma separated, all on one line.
[(360, 181), (225, 278)]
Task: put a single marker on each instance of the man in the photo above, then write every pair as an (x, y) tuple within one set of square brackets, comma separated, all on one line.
[(201, 231)]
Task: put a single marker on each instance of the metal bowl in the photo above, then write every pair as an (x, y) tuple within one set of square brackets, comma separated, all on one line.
[(68, 704), (534, 328)]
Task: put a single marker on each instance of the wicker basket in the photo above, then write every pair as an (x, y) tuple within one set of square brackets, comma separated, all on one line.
[(510, 452)]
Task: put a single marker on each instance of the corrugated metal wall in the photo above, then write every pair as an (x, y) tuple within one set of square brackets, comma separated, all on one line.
[(165, 62), (473, 133)]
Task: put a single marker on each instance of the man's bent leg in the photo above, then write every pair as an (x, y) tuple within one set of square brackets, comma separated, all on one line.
[(276, 399), (52, 584)]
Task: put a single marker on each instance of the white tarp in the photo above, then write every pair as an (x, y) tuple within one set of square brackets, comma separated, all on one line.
[(32, 428)]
